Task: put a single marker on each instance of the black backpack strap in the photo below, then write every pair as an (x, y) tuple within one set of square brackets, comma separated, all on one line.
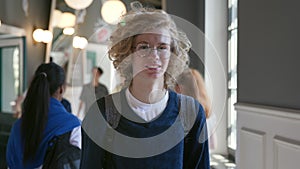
[(113, 119), (61, 152), (111, 113), (188, 111), (63, 138)]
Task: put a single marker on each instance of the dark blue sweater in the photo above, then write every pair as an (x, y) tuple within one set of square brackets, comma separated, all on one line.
[(158, 144)]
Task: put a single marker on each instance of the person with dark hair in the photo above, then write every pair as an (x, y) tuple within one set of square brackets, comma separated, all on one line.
[(17, 107), (99, 70), (43, 117), (92, 91)]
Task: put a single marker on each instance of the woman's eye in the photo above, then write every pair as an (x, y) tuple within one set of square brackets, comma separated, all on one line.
[(142, 47), (163, 47)]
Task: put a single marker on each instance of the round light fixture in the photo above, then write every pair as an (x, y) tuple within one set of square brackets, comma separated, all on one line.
[(47, 36), (40, 35), (78, 4), (112, 10), (67, 19), (79, 42), (68, 31), (56, 17)]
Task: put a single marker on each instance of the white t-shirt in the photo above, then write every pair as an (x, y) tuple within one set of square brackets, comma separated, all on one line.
[(147, 111)]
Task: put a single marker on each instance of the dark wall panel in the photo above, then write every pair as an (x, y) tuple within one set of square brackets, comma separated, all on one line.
[(268, 53), (11, 13), (192, 11)]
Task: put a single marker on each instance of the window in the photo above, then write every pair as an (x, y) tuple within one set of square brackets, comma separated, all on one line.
[(232, 74)]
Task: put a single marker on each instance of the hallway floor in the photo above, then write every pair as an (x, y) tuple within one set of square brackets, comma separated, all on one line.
[(221, 162)]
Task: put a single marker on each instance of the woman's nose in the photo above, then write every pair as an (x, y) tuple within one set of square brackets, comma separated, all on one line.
[(153, 53)]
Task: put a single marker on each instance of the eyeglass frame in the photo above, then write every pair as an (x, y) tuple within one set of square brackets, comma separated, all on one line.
[(147, 52)]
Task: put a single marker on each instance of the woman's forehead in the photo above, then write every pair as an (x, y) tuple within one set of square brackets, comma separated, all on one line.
[(159, 35)]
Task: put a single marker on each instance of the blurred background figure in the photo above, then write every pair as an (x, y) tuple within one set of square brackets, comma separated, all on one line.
[(92, 91), (191, 83), (17, 107)]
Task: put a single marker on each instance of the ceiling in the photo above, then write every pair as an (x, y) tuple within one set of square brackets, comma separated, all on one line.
[(156, 3), (62, 6)]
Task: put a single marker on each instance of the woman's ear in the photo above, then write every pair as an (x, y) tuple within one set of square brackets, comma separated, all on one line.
[(61, 89), (59, 93)]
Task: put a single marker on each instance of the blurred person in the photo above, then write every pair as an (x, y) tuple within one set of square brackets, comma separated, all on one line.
[(43, 118), (92, 91), (17, 107), (191, 83)]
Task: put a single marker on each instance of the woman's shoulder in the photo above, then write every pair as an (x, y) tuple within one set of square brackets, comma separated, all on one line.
[(182, 97), (58, 114), (116, 97), (16, 127), (187, 104)]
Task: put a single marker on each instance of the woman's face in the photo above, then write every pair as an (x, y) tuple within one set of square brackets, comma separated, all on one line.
[(151, 54)]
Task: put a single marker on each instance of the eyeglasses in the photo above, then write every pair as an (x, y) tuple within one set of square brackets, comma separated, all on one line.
[(145, 50)]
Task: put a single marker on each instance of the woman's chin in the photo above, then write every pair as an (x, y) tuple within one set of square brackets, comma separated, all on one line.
[(149, 74), (154, 74)]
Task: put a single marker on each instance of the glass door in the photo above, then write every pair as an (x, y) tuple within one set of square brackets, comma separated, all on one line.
[(11, 72)]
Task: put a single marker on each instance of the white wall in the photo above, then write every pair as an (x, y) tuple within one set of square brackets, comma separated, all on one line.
[(216, 65), (268, 137)]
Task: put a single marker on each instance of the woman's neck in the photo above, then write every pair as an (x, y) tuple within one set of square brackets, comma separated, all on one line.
[(57, 96), (147, 91)]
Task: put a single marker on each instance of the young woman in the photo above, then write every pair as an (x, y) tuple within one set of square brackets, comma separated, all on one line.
[(43, 117), (146, 121)]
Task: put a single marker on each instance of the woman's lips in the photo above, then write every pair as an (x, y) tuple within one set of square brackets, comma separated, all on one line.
[(153, 67)]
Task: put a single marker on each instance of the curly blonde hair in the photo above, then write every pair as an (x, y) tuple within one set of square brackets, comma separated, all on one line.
[(141, 20)]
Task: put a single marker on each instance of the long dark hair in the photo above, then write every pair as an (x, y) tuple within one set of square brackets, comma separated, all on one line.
[(47, 79)]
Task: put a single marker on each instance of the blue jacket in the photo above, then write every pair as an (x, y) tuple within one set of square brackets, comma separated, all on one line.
[(59, 122)]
